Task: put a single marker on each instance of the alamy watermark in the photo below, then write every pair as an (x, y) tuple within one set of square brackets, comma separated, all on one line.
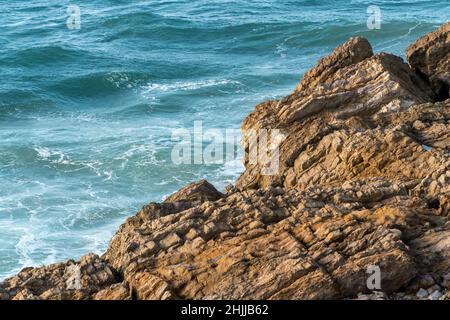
[(373, 282), (73, 281), (74, 17), (218, 146), (374, 20)]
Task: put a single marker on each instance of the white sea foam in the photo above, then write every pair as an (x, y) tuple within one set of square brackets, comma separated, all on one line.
[(233, 168), (185, 86), (145, 153), (119, 80), (97, 242), (109, 174), (51, 257), (426, 148), (43, 152)]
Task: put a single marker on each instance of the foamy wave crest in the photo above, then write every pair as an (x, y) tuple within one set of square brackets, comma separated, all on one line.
[(186, 86), (58, 158), (54, 156)]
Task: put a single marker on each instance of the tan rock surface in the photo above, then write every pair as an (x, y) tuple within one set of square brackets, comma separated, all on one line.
[(69, 280)]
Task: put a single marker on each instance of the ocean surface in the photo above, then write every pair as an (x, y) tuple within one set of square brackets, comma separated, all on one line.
[(87, 115)]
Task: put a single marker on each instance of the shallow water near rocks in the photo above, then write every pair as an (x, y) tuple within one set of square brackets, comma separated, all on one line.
[(86, 116)]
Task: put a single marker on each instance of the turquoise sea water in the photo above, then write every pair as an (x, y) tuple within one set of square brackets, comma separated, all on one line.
[(86, 115)]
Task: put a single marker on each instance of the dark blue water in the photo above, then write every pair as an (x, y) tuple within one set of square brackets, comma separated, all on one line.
[(86, 116)]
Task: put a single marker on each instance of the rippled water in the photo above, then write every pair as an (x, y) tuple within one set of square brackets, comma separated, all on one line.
[(86, 115)]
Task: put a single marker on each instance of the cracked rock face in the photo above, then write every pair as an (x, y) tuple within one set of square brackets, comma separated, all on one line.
[(263, 244), (363, 182)]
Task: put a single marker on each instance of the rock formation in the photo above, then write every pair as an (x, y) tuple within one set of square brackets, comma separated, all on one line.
[(363, 182), (430, 58)]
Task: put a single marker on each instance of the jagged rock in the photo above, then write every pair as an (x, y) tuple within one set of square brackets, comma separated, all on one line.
[(430, 57), (433, 247), (193, 194), (197, 192), (363, 181), (69, 280), (399, 145), (117, 291), (379, 83)]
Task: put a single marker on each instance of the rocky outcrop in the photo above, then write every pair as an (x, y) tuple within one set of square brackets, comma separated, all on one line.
[(352, 52), (265, 244), (362, 185), (70, 280), (430, 57), (331, 126)]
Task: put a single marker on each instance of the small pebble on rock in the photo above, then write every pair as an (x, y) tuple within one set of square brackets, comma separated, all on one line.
[(436, 295)]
